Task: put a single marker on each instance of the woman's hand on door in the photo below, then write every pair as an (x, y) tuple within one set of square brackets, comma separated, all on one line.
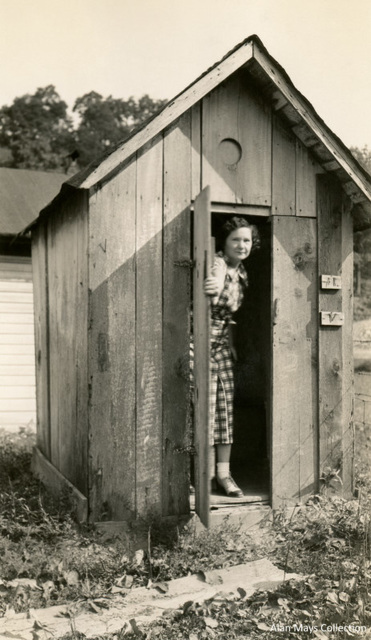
[(211, 286)]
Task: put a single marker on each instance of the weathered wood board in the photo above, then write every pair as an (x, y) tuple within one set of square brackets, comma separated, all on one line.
[(40, 288), (347, 346), (283, 170), (196, 152), (201, 335), (149, 300), (306, 180), (112, 348), (335, 343), (176, 317), (294, 381), (68, 321), (57, 483)]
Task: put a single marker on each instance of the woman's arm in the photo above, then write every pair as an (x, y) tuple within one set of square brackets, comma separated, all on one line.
[(214, 284)]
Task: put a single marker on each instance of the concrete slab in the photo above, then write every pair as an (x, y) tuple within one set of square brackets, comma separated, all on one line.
[(142, 604)]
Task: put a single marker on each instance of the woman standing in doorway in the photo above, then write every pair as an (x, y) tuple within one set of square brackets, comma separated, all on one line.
[(226, 286)]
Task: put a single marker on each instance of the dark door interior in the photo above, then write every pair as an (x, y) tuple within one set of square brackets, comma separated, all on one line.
[(250, 451)]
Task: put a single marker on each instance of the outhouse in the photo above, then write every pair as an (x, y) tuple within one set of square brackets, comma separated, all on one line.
[(119, 259)]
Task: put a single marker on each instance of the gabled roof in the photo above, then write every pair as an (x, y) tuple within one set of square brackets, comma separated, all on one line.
[(23, 193), (276, 85)]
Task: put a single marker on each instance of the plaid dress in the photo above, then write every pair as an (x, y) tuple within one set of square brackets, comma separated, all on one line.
[(221, 361), (222, 376)]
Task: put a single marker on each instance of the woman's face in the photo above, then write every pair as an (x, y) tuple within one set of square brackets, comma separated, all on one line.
[(238, 245)]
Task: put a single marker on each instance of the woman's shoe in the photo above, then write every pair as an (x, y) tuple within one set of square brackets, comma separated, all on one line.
[(229, 487)]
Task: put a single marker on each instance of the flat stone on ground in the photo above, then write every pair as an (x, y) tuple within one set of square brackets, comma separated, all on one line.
[(142, 604)]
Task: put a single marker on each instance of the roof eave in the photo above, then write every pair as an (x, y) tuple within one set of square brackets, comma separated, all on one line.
[(309, 128), (322, 134), (172, 110)]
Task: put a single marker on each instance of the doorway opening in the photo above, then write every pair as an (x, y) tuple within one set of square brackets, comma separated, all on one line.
[(250, 451)]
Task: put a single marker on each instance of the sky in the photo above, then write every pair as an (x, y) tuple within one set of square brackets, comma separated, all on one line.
[(131, 47)]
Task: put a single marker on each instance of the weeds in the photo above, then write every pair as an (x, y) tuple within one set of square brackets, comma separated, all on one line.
[(47, 560)]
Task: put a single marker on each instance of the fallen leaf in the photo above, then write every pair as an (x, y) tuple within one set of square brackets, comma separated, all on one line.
[(115, 589), (94, 607), (263, 627), (332, 597), (283, 602), (162, 586), (344, 597), (201, 576), (242, 593), (221, 596), (212, 577), (47, 588), (102, 602), (211, 622), (71, 577), (135, 627), (24, 582), (350, 584), (39, 631), (138, 557), (187, 605)]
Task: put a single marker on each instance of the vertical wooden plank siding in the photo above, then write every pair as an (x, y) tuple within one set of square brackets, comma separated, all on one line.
[(40, 292), (196, 149), (54, 296), (283, 170), (294, 383), (68, 322), (176, 321), (149, 329), (335, 344), (201, 335), (330, 207), (306, 180), (347, 347), (112, 348), (236, 144)]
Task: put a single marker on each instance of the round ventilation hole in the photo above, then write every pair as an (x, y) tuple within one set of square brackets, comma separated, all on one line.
[(230, 151)]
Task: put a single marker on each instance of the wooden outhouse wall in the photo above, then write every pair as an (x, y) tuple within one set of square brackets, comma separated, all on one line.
[(114, 294), (336, 344), (59, 254), (139, 247)]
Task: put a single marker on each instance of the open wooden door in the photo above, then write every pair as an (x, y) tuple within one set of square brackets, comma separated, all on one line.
[(201, 328)]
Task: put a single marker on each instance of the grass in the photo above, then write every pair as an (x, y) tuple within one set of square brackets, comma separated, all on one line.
[(46, 559)]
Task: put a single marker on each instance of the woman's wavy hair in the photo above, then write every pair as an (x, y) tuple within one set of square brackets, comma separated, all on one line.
[(233, 224)]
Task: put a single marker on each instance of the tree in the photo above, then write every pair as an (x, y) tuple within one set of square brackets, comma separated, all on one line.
[(37, 130), (363, 156), (104, 122)]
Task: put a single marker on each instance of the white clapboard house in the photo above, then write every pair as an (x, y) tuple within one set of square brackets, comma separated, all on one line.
[(22, 194)]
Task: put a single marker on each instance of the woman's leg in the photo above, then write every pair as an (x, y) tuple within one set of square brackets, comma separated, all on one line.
[(223, 452), (223, 473)]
